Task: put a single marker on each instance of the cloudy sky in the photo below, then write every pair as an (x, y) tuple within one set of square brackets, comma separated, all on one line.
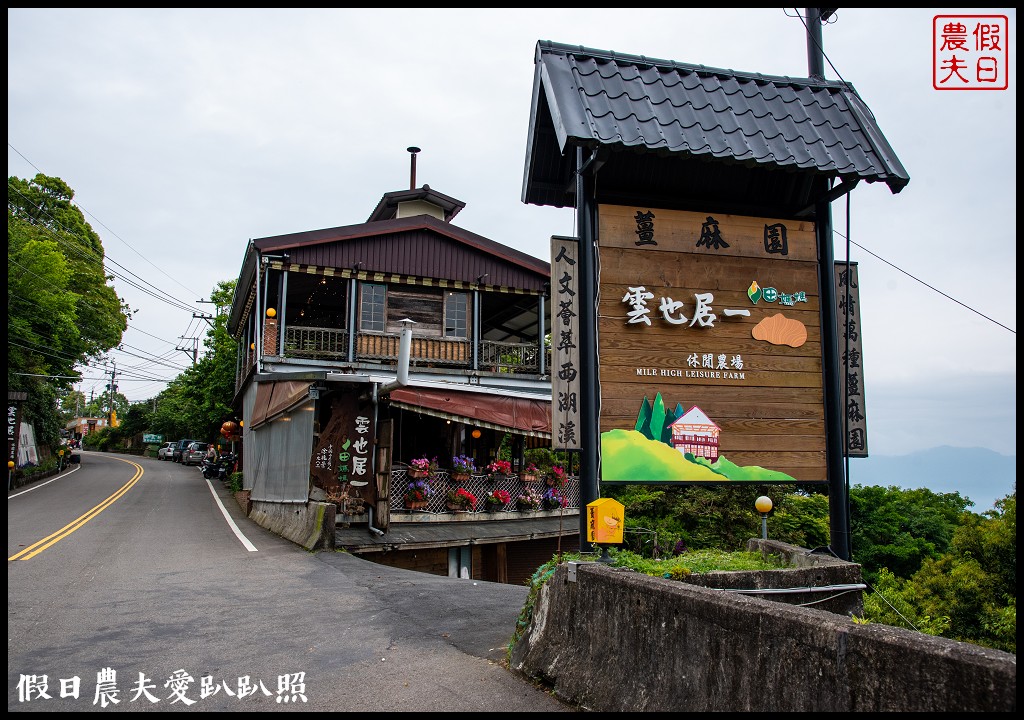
[(187, 132)]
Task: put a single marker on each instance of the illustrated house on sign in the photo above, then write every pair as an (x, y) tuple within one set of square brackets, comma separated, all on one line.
[(694, 433)]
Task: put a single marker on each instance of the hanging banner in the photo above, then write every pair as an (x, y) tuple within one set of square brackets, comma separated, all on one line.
[(851, 356), (342, 460)]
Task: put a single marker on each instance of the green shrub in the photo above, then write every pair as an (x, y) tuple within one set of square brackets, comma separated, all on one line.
[(235, 481)]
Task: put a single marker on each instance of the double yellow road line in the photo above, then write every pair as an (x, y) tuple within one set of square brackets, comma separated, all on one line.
[(35, 548)]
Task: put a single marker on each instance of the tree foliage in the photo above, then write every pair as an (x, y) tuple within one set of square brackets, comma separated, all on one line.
[(930, 564), (61, 309), (198, 401)]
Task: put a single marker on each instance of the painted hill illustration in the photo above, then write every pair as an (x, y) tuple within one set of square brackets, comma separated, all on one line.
[(646, 453)]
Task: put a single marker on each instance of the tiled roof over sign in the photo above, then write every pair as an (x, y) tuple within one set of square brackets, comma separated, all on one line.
[(608, 100)]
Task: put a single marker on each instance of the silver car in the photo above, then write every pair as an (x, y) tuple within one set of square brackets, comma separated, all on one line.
[(194, 453), (166, 451)]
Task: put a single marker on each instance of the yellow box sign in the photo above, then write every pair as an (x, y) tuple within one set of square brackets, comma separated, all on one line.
[(605, 518)]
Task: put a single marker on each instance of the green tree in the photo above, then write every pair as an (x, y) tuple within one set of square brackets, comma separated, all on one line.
[(198, 401), (899, 529), (61, 311)]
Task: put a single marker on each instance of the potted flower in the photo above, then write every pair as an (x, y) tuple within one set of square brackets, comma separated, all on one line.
[(419, 468), (460, 500), (530, 473), (417, 493), (553, 500), (557, 476), (497, 500), (528, 500), (463, 467), (499, 469)]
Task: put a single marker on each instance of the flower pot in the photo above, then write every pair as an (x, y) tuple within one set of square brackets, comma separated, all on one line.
[(414, 473), (460, 477), (456, 507), (497, 477), (528, 478), (417, 504)]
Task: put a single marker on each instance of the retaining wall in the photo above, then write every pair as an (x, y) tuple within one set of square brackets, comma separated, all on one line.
[(611, 639)]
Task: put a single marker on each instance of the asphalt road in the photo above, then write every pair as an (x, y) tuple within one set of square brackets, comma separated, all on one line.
[(147, 584)]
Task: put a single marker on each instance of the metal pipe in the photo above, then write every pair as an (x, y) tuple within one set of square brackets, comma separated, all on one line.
[(404, 351), (375, 530), (283, 303), (796, 590)]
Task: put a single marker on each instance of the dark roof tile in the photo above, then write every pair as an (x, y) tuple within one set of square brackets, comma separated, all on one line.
[(597, 98)]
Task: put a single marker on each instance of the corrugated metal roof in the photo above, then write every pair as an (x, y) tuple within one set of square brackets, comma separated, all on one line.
[(666, 109)]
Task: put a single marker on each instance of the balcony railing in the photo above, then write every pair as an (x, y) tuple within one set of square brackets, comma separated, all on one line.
[(318, 343)]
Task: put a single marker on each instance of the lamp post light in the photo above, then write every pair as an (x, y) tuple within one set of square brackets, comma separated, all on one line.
[(764, 506)]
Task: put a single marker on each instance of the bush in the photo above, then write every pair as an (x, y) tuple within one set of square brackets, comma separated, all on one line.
[(235, 481)]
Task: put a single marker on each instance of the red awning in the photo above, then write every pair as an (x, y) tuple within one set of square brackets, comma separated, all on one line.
[(524, 416), (274, 398)]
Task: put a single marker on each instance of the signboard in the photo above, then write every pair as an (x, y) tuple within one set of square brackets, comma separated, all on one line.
[(565, 351), (710, 351), (605, 521), (14, 400), (342, 460), (152, 439), (852, 360)]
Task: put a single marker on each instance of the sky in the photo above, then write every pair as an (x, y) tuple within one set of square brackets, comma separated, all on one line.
[(187, 132)]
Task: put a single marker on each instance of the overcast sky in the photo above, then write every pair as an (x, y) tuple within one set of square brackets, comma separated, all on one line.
[(184, 133)]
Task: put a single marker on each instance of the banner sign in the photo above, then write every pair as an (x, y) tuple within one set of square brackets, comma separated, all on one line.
[(565, 351), (851, 356)]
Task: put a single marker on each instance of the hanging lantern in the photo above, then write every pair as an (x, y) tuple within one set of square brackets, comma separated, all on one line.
[(271, 312), (475, 434)]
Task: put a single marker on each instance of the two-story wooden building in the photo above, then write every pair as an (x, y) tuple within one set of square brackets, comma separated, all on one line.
[(327, 413)]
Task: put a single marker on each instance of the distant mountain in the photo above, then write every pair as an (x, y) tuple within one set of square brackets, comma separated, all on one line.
[(980, 474)]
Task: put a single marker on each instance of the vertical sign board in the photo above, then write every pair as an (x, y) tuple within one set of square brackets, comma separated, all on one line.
[(14, 400), (565, 351), (710, 351), (342, 458), (852, 359)]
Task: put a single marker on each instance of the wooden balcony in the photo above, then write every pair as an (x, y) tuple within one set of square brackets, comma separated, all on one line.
[(316, 343)]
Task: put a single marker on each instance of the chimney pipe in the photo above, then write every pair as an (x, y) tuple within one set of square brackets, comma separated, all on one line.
[(412, 175)]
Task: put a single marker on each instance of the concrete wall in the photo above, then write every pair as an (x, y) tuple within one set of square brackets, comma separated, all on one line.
[(617, 640), (310, 525)]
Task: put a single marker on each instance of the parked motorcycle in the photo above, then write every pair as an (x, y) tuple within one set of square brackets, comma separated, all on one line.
[(220, 469)]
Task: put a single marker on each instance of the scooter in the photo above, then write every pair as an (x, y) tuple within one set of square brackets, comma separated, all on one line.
[(220, 469)]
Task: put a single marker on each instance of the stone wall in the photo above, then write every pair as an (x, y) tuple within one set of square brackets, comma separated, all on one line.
[(609, 639), (310, 524)]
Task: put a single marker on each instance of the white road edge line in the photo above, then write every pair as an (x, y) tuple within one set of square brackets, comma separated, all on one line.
[(36, 487), (231, 523)]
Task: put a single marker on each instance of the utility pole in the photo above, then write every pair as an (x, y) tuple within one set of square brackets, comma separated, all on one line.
[(204, 316), (838, 483), (194, 350), (112, 387)]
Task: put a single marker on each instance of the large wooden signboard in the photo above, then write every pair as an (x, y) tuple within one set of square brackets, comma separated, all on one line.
[(709, 348)]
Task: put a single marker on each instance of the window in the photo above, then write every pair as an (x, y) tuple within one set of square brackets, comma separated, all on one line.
[(456, 315), (371, 307)]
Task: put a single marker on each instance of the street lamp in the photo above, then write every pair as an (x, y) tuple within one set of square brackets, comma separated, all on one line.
[(764, 506)]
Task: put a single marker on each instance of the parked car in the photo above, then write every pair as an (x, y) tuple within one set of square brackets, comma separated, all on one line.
[(179, 449), (166, 451), (195, 453)]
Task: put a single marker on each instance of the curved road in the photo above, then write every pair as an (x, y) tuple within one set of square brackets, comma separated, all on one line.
[(148, 585)]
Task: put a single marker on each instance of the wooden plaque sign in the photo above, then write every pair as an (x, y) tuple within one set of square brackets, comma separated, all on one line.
[(710, 352)]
